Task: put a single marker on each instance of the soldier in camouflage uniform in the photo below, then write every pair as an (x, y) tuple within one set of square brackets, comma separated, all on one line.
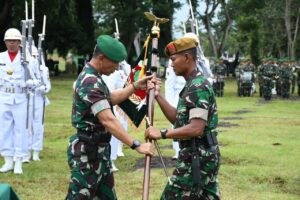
[(285, 75), (89, 149), (219, 71), (297, 68), (268, 72), (195, 121)]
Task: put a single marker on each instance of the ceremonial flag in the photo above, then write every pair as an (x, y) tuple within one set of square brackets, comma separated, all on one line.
[(135, 106)]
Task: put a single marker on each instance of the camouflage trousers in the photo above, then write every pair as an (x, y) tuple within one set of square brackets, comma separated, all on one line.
[(90, 179), (285, 88), (182, 185)]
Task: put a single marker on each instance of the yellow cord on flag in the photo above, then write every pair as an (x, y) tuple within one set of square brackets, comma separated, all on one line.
[(143, 68)]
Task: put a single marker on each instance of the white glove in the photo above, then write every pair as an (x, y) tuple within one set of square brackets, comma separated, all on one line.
[(29, 83), (41, 89), (36, 82)]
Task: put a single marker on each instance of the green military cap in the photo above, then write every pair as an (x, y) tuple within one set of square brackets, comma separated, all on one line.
[(180, 45), (112, 48)]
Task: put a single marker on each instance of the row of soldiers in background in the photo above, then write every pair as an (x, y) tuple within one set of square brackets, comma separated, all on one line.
[(219, 70), (245, 74), (281, 74), (24, 81)]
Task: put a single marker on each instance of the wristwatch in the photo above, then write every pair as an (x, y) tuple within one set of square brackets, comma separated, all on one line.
[(135, 144), (163, 133)]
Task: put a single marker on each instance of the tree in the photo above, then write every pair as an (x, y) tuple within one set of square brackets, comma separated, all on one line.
[(69, 23), (131, 20), (291, 36)]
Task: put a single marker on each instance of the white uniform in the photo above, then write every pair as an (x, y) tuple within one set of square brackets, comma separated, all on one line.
[(38, 102), (173, 86), (204, 67), (115, 81), (202, 62), (13, 106)]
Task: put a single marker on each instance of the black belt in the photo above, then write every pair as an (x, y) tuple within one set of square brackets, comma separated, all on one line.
[(93, 137), (208, 140)]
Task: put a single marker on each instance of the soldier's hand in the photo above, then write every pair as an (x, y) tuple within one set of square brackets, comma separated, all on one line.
[(152, 133), (142, 83), (154, 83), (146, 148)]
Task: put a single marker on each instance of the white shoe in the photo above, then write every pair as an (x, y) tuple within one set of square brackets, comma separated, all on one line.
[(18, 166), (120, 154), (8, 165), (120, 149), (113, 167), (35, 156), (26, 159), (175, 157)]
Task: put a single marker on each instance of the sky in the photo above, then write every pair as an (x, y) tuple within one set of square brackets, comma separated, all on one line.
[(182, 15)]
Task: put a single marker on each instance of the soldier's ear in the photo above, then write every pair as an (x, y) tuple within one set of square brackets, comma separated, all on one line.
[(101, 57), (188, 57)]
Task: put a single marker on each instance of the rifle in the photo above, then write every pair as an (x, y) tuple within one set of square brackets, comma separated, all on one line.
[(24, 62), (155, 34), (195, 27), (41, 60), (29, 25)]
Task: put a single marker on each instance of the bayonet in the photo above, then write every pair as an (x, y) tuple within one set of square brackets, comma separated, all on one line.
[(117, 34)]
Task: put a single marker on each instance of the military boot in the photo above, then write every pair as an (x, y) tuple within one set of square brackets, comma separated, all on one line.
[(36, 156), (8, 165), (18, 166)]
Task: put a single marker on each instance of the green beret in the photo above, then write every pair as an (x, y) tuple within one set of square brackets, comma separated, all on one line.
[(180, 45), (112, 48)]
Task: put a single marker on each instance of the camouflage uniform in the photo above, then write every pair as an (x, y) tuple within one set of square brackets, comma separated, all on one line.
[(298, 79), (197, 95), (285, 75), (219, 71), (89, 149), (268, 74)]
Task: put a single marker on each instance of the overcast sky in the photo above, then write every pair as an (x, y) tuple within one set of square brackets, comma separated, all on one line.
[(181, 15)]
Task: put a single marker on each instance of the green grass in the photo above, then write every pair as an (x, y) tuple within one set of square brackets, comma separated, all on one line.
[(260, 154)]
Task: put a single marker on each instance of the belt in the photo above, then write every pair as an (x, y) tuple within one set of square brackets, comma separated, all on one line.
[(189, 143), (12, 90), (207, 140), (94, 137)]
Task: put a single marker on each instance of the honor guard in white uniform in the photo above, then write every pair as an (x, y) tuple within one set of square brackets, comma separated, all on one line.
[(116, 81), (37, 108), (173, 85), (202, 62), (14, 102)]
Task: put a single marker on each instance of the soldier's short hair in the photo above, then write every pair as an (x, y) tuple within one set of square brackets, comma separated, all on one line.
[(192, 52)]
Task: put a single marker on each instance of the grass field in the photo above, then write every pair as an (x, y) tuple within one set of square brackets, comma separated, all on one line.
[(259, 142)]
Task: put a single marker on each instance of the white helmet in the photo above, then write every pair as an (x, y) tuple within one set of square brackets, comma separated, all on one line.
[(12, 34), (193, 36)]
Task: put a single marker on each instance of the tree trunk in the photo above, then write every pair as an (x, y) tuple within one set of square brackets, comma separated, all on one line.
[(287, 19), (210, 35), (227, 29), (295, 35)]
